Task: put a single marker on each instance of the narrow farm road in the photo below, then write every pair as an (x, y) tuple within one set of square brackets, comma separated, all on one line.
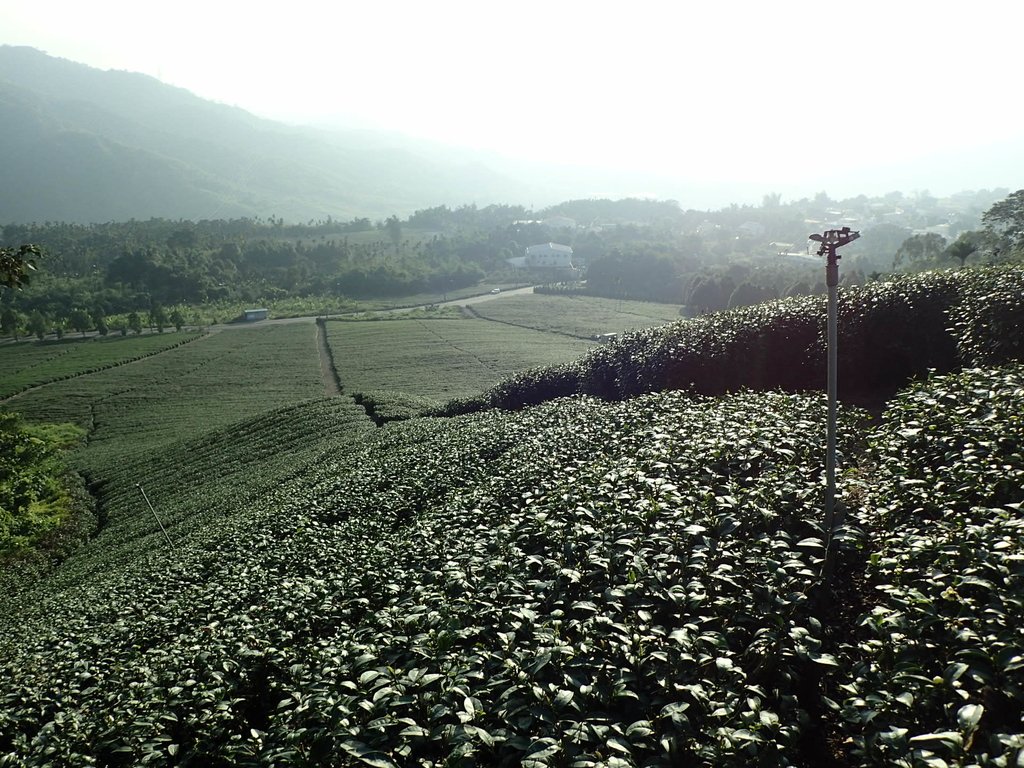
[(332, 387), (474, 299), (239, 326)]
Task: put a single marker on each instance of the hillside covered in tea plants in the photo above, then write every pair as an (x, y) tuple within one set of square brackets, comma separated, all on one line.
[(627, 579)]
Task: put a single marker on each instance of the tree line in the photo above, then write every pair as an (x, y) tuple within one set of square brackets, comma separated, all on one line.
[(633, 248)]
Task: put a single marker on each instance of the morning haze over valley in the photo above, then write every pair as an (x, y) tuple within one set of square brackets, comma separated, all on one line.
[(567, 384)]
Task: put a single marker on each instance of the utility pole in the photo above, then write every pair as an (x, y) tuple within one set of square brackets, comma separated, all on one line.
[(830, 241)]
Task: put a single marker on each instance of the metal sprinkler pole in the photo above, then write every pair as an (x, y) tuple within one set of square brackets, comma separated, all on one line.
[(143, 492), (830, 241), (832, 283)]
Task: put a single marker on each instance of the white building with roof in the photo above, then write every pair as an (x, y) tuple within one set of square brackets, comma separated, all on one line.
[(545, 255)]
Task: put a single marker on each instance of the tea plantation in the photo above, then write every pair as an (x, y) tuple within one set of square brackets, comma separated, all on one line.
[(633, 579), (139, 409), (30, 364), (442, 358), (889, 333)]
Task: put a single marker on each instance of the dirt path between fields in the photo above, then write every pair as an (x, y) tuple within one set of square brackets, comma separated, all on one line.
[(332, 385)]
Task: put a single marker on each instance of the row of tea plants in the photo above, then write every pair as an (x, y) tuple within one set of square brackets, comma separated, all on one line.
[(889, 333), (32, 364), (183, 392), (936, 665), (444, 594), (579, 583)]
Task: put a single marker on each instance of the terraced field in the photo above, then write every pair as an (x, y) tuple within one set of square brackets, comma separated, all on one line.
[(215, 381), (582, 316), (581, 583), (439, 359), (30, 364)]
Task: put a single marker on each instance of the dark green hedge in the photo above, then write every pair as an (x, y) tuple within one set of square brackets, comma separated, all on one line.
[(889, 333)]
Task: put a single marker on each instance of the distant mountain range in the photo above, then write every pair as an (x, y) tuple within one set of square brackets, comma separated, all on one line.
[(80, 144)]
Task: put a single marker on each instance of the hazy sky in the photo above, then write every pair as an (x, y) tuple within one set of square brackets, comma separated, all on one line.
[(758, 90)]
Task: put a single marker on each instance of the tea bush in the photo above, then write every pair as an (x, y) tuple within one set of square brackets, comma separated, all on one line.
[(581, 583), (633, 579), (937, 672), (889, 333)]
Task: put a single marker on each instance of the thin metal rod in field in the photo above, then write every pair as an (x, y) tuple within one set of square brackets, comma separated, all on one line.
[(830, 241), (149, 503)]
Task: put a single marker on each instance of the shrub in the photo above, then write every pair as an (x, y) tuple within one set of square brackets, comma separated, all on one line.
[(889, 333)]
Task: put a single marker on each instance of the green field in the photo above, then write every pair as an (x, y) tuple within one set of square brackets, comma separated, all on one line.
[(224, 377), (440, 359), (200, 483), (584, 316), (31, 363)]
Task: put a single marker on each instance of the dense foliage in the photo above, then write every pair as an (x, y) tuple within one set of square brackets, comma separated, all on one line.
[(642, 249), (37, 492), (16, 265), (375, 604), (936, 673), (116, 268), (888, 333), (582, 583)]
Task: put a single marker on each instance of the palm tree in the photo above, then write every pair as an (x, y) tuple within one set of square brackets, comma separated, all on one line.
[(963, 247)]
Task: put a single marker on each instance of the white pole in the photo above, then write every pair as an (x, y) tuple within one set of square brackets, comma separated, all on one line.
[(143, 492)]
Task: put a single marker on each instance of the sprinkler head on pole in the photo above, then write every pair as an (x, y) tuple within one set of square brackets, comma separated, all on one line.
[(832, 239)]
